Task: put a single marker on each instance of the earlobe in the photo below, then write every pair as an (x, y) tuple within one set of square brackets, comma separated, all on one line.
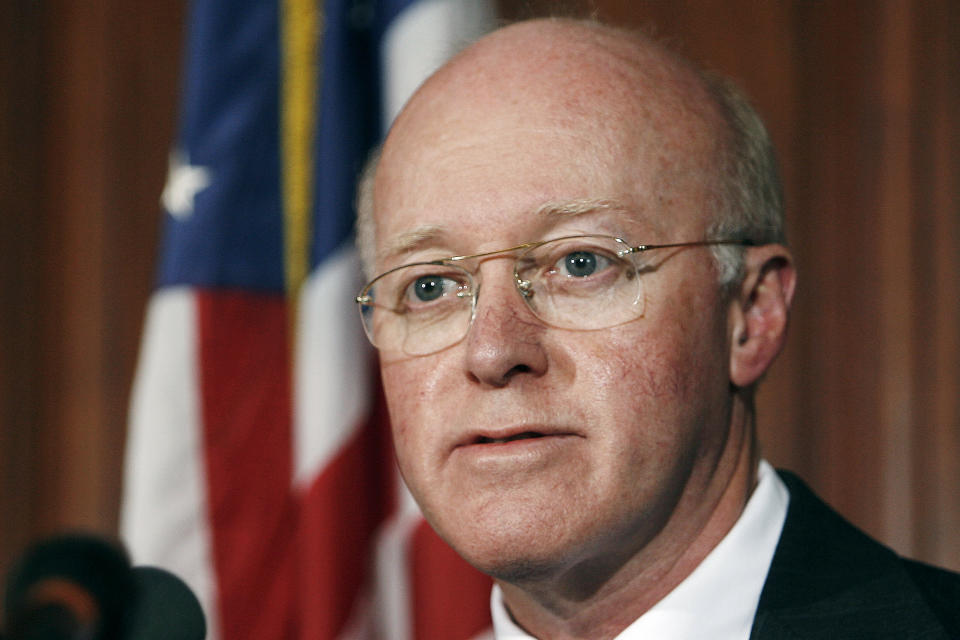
[(759, 313)]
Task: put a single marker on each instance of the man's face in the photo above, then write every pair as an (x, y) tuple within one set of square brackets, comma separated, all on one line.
[(631, 421)]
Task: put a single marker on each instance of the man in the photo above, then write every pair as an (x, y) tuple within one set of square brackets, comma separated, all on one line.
[(583, 278)]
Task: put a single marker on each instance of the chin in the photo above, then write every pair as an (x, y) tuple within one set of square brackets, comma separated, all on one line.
[(521, 571), (511, 562), (513, 549)]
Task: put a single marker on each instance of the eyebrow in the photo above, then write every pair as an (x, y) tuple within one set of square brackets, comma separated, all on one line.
[(415, 238), (428, 234), (578, 207)]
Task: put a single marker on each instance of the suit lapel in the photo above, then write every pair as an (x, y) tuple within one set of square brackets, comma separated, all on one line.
[(829, 580)]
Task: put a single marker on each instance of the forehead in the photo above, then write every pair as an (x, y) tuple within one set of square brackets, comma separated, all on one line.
[(534, 118)]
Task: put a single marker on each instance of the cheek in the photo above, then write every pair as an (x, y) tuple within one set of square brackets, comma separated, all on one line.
[(639, 366), (413, 395), (665, 373), (656, 372), (408, 385), (404, 402), (686, 345)]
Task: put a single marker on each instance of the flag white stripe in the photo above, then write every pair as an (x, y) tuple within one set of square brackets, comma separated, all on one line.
[(422, 38), (332, 387), (164, 512), (392, 567), (394, 607)]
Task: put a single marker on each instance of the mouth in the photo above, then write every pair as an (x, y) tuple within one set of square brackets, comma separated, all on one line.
[(514, 449), (525, 435), (509, 435)]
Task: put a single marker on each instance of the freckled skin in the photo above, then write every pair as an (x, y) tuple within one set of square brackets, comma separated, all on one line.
[(655, 458)]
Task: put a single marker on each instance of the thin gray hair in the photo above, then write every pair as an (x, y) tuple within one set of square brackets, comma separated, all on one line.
[(366, 242), (750, 203)]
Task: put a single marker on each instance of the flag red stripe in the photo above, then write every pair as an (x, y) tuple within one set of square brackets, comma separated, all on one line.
[(450, 598), (342, 511), (246, 411)]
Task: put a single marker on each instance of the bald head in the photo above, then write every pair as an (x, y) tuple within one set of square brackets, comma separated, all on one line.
[(619, 98), (578, 70)]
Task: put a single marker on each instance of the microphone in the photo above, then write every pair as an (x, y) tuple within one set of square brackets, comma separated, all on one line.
[(68, 587), (80, 587), (164, 609)]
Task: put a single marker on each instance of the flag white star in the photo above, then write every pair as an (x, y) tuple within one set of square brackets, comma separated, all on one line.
[(184, 182)]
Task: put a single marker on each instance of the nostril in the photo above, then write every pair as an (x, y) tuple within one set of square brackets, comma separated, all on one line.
[(517, 369)]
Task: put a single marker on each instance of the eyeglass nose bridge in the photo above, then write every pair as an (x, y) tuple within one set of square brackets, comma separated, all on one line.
[(523, 286), (516, 252)]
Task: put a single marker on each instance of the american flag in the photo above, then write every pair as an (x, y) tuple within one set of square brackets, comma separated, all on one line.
[(259, 466)]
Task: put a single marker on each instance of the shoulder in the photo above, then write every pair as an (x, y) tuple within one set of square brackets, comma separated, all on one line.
[(941, 590), (828, 577)]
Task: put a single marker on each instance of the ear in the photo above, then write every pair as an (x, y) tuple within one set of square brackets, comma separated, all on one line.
[(759, 312)]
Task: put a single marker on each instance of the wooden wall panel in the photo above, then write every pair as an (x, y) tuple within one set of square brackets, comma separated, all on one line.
[(935, 296), (20, 262), (89, 97), (75, 151)]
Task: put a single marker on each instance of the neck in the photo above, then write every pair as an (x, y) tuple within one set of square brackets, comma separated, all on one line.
[(600, 597)]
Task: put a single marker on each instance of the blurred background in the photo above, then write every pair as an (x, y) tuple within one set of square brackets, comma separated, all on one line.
[(863, 102)]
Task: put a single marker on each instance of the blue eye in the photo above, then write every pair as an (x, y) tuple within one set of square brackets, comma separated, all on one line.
[(426, 287), (580, 264), (429, 288)]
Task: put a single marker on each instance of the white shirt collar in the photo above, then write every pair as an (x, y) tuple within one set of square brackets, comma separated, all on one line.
[(719, 599)]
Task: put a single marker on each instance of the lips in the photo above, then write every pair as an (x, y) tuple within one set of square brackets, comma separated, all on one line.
[(525, 435), (509, 450), (512, 434)]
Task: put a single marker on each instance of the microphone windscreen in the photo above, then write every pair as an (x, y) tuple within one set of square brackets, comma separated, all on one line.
[(77, 583), (164, 608)]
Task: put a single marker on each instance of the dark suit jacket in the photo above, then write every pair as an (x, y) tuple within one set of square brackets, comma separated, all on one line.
[(829, 580)]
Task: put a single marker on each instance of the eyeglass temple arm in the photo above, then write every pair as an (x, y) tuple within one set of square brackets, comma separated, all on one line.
[(699, 243)]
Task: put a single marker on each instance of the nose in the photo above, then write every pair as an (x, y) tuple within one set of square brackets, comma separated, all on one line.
[(505, 340)]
